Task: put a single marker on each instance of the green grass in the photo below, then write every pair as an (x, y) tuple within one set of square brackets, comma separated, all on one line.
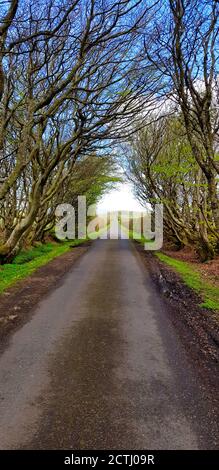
[(27, 261), (193, 279), (135, 235)]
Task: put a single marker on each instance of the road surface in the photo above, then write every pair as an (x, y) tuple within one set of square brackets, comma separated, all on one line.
[(100, 365)]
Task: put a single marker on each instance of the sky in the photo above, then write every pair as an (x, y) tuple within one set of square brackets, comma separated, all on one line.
[(120, 198)]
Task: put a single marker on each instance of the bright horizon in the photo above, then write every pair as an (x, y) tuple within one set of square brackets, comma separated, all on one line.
[(121, 198)]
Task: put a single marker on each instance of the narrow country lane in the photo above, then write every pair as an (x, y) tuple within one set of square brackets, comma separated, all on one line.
[(100, 365)]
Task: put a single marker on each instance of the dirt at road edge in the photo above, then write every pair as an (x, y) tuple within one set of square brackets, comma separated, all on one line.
[(198, 326)]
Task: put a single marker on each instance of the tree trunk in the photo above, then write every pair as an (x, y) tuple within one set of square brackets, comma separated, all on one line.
[(214, 202), (9, 249)]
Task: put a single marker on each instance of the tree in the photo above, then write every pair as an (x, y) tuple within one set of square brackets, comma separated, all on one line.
[(164, 170), (183, 50), (91, 176), (69, 89)]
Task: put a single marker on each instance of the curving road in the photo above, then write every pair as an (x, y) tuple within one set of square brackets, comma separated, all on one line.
[(100, 365)]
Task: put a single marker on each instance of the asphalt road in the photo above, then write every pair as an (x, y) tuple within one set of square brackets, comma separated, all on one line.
[(100, 365)]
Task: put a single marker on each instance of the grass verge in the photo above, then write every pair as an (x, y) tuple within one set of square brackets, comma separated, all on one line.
[(132, 235), (190, 276), (27, 261), (193, 279)]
